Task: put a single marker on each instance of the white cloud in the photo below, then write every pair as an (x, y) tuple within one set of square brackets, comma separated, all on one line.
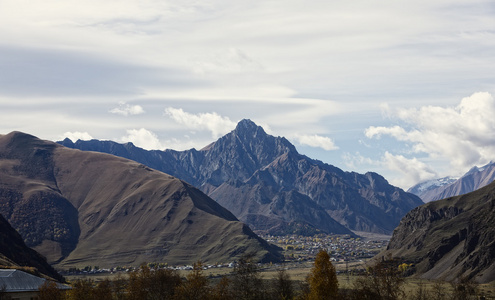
[(316, 141), (231, 61), (77, 135), (411, 170), (125, 109), (142, 138), (352, 161), (462, 135), (212, 122)]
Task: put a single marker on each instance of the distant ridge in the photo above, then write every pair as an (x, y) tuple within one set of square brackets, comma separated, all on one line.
[(450, 238), (84, 208), (266, 183), (448, 187)]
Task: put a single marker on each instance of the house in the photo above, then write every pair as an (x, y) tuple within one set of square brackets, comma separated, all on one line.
[(19, 285)]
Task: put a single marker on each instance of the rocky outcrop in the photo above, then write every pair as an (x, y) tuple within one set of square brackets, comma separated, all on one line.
[(266, 183), (85, 208), (450, 238)]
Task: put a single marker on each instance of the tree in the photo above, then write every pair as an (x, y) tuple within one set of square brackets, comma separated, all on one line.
[(196, 285), (246, 280), (283, 286), (145, 284), (322, 280), (103, 290), (382, 281), (81, 290), (221, 290), (49, 291)]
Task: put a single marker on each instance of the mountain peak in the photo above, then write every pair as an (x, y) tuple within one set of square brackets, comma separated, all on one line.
[(246, 125)]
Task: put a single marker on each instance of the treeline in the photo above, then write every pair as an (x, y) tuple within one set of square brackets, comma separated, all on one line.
[(383, 281)]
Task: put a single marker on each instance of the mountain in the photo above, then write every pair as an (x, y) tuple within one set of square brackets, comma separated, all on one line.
[(15, 253), (266, 183), (450, 238), (84, 208), (449, 187)]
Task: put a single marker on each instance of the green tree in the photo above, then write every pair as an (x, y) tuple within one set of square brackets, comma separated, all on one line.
[(322, 280)]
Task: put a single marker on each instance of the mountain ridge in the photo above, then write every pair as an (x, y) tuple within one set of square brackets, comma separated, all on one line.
[(84, 208), (475, 178), (249, 161), (450, 238)]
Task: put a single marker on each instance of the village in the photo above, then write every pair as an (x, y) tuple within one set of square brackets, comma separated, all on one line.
[(344, 251)]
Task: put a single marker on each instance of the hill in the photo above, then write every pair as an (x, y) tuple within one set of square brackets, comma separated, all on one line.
[(85, 208), (14, 253), (450, 238), (266, 183), (448, 187)]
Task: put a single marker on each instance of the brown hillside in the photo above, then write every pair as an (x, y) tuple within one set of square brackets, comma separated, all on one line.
[(85, 208), (450, 238)]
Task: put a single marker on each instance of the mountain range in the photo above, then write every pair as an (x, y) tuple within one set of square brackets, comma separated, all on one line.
[(267, 184), (450, 238), (437, 189), (81, 208)]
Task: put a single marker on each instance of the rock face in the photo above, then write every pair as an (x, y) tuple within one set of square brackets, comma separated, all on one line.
[(14, 252), (266, 183), (84, 208), (447, 187), (450, 238)]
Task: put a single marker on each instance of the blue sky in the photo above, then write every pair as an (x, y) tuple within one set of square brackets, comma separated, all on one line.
[(401, 88)]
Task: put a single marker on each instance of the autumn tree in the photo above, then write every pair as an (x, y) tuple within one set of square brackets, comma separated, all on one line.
[(147, 284), (322, 280), (283, 288), (196, 285), (81, 290), (103, 290), (49, 291), (384, 281), (246, 279), (221, 290)]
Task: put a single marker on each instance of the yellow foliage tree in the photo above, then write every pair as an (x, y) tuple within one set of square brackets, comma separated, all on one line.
[(322, 280)]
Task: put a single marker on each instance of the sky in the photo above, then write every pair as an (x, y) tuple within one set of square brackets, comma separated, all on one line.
[(402, 88)]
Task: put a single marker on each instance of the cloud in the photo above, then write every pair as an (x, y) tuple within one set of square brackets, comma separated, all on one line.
[(77, 135), (212, 122), (357, 159), (231, 61), (125, 109), (142, 138), (462, 135), (411, 170), (316, 141)]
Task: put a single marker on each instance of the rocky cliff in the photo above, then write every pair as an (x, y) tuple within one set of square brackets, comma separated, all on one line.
[(450, 238)]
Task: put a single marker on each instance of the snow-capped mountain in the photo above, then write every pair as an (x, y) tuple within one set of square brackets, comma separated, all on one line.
[(475, 178)]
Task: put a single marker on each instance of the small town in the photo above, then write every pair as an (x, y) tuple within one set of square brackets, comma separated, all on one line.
[(344, 250)]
